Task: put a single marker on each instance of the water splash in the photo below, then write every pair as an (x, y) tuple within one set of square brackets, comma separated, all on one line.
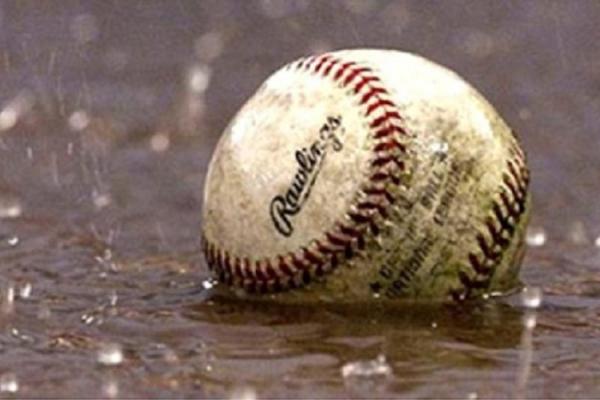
[(367, 369), (209, 283), (9, 383), (531, 297), (110, 354), (12, 241), (25, 290), (536, 237)]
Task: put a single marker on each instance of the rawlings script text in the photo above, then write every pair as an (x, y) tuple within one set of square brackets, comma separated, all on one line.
[(309, 162)]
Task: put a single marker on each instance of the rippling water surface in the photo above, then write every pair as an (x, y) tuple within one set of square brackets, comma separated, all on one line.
[(109, 114)]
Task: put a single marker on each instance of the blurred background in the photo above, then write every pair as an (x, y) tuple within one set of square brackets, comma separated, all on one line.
[(109, 111)]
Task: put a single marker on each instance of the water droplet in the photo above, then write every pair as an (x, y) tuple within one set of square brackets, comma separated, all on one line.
[(529, 321), (199, 78), (209, 283), (243, 393), (7, 301), (79, 120), (101, 199), (439, 148), (10, 207), (536, 237), (87, 319), (531, 297), (110, 354), (15, 109), (160, 142), (25, 290), (12, 241), (8, 118), (113, 298), (472, 396), (9, 383), (10, 294), (366, 369), (434, 325)]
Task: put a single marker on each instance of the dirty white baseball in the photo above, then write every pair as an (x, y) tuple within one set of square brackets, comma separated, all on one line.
[(366, 175)]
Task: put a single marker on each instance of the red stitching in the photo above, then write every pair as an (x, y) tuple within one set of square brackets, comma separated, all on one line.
[(501, 225), (321, 256)]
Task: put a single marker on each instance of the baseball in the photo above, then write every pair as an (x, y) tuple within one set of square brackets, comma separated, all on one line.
[(366, 175)]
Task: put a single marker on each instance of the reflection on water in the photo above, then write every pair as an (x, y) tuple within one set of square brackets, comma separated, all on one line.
[(108, 115)]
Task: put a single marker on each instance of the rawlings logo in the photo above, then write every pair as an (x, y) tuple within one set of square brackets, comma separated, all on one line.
[(310, 160)]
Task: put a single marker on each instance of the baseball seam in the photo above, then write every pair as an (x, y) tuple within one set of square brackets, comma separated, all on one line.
[(507, 209), (320, 256)]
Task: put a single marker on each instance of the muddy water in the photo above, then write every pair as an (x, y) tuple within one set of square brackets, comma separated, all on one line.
[(109, 113)]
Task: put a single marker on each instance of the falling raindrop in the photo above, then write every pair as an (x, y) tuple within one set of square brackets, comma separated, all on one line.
[(160, 142), (529, 321), (110, 354), (536, 237), (8, 118), (15, 109), (10, 207), (12, 241), (9, 383), (101, 199), (531, 297), (113, 299), (79, 120), (25, 290), (7, 299), (367, 369), (199, 78)]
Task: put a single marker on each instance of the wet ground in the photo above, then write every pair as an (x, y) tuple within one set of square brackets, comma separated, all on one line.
[(109, 113)]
